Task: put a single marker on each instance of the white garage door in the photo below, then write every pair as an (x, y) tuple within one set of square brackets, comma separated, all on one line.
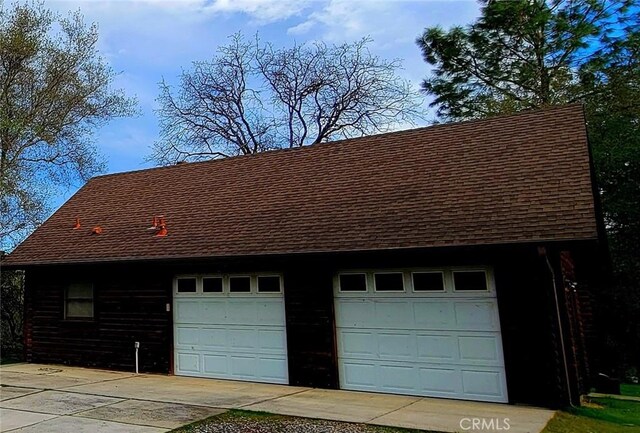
[(230, 327), (420, 332)]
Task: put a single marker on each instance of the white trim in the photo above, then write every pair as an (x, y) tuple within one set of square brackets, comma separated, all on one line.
[(447, 273), (226, 284), (487, 280)]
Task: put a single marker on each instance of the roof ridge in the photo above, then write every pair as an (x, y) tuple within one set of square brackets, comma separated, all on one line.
[(349, 140)]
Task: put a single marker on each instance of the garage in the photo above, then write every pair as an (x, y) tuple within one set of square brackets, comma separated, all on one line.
[(230, 327), (426, 332)]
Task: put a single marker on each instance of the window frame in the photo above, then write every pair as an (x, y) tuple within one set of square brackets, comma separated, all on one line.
[(425, 271), (402, 277), (446, 273), (487, 280), (92, 300), (366, 282), (201, 279), (184, 277), (266, 275), (251, 285)]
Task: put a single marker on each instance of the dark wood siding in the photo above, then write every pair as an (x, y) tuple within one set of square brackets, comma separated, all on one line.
[(310, 327), (129, 306)]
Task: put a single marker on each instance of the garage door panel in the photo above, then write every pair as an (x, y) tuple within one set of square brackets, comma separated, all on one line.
[(399, 378), (388, 314), (189, 362), (430, 314), (272, 341), (358, 344), (397, 346), (270, 312), (273, 369), (355, 313), (477, 349), (186, 335), (483, 384), (440, 380), (359, 376), (477, 315), (242, 339), (215, 364), (231, 337), (212, 312), (437, 348), (444, 345), (213, 338), (187, 311)]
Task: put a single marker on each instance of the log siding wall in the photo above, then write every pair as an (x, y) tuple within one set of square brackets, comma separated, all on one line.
[(130, 305)]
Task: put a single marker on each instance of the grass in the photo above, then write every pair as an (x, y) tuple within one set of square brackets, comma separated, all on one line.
[(598, 415), (241, 416), (630, 389)]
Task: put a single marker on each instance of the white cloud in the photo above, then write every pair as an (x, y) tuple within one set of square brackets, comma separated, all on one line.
[(302, 28), (264, 11)]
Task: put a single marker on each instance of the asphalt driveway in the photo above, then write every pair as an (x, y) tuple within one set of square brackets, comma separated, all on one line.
[(44, 398)]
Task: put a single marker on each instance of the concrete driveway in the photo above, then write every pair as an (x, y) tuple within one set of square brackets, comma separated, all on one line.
[(46, 398)]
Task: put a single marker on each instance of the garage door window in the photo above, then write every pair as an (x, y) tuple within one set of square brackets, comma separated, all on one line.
[(353, 282), (240, 284), (469, 281), (212, 284), (186, 285), (389, 282), (268, 284), (428, 281)]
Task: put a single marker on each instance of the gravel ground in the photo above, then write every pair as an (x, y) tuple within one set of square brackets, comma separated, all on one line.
[(255, 422)]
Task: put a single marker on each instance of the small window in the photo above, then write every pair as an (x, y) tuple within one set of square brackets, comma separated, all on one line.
[(240, 284), (470, 281), (79, 301), (268, 284), (428, 282), (186, 285), (389, 282), (353, 283), (212, 284)]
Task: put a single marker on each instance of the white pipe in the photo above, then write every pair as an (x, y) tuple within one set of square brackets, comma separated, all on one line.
[(137, 346)]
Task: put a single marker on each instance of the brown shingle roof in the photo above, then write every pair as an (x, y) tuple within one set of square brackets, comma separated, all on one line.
[(519, 178)]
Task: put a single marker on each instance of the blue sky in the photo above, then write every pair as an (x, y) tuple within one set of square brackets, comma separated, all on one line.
[(147, 40)]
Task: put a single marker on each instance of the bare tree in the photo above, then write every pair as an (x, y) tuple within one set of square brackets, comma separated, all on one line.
[(252, 97)]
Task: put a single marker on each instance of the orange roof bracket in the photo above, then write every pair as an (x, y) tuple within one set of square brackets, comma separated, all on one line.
[(162, 227), (76, 225), (96, 230)]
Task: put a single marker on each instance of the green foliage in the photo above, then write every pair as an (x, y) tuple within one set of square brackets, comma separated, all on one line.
[(11, 306), (630, 389), (530, 54), (55, 90), (519, 54)]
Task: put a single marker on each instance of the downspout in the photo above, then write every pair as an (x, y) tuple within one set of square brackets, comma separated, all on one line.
[(543, 252)]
